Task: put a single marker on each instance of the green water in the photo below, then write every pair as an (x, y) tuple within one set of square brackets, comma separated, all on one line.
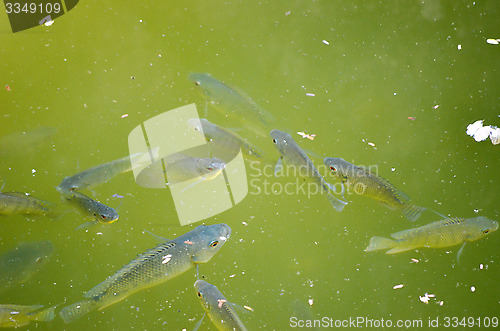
[(382, 62)]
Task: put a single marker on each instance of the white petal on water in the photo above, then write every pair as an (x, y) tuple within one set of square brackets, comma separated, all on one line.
[(395, 287), (472, 128), (492, 41), (311, 302), (495, 136), (472, 289), (483, 133)]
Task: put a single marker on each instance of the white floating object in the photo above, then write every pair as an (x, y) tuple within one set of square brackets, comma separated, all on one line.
[(398, 286), (492, 41), (481, 266), (482, 133), (459, 47), (424, 299), (326, 42), (310, 94), (371, 144), (495, 136), (166, 258), (472, 289), (472, 128)]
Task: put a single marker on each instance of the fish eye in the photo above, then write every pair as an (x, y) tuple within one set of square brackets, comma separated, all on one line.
[(333, 168), (197, 83), (103, 216), (210, 168), (200, 295), (485, 231), (274, 141), (214, 243)]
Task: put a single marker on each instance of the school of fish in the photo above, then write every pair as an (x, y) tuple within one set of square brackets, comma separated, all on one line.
[(173, 257)]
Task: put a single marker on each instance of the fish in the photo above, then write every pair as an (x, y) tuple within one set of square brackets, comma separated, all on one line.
[(224, 139), (25, 143), (22, 203), (100, 174), (220, 311), (364, 181), (292, 155), (19, 264), (90, 208), (180, 168), (233, 103), (153, 267), (17, 315), (443, 233)]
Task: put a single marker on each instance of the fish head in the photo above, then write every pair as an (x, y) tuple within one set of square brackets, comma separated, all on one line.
[(480, 227), (202, 82), (281, 140), (207, 240), (210, 168), (105, 214), (203, 291), (339, 167)]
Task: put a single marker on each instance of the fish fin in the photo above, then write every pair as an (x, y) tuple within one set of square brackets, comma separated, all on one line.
[(412, 212), (158, 238), (3, 184), (337, 204), (386, 205), (86, 225), (46, 315), (198, 324), (311, 153), (279, 167), (435, 212), (73, 312), (202, 178), (241, 309), (234, 129), (377, 243), (398, 249), (460, 252)]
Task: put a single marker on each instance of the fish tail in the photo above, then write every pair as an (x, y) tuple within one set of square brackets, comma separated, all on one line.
[(377, 243), (336, 203), (45, 315), (412, 212), (73, 312)]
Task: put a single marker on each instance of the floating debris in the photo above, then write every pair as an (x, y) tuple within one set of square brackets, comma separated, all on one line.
[(371, 144), (311, 302), (459, 47), (231, 276), (166, 258), (411, 118), (116, 195), (441, 303), (473, 289), (7, 87), (306, 135), (435, 107), (221, 302), (480, 132), (326, 42), (395, 287), (425, 299), (493, 41), (414, 260), (124, 115), (310, 94), (248, 308)]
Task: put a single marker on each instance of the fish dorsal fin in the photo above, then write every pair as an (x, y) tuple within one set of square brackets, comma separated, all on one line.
[(16, 194), (400, 195), (158, 238), (402, 234), (241, 93), (137, 262)]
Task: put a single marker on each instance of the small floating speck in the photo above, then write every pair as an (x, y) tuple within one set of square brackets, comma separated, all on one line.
[(472, 289), (411, 118), (99, 233), (481, 266), (166, 258), (116, 195), (435, 107), (311, 302), (7, 87), (124, 115), (459, 47), (310, 94), (395, 287), (326, 42), (244, 223), (231, 276), (414, 260), (306, 135), (248, 308), (493, 41), (371, 144), (441, 303)]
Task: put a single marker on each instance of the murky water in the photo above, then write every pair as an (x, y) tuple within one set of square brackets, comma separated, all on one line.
[(392, 84)]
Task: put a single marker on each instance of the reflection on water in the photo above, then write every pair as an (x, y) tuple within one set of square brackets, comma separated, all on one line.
[(388, 84)]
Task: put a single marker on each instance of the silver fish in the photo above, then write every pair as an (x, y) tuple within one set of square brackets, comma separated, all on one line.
[(153, 267), (294, 157)]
